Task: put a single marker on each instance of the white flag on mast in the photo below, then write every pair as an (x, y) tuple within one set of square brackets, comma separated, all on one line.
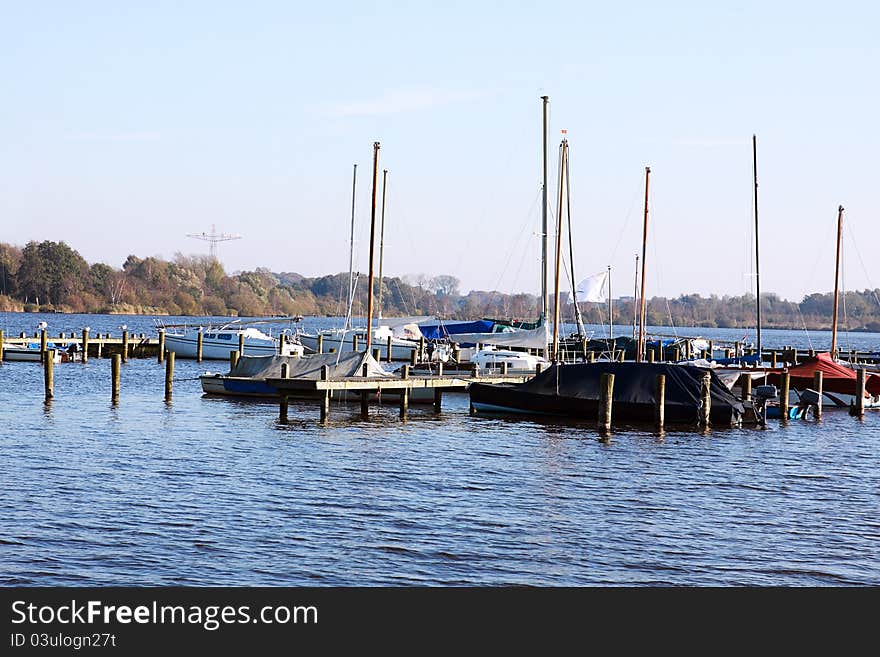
[(592, 288)]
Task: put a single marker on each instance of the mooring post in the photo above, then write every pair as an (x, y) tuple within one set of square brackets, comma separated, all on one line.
[(676, 353), (49, 374), (860, 392), (812, 353), (84, 344), (660, 401), (404, 372), (233, 359), (606, 400), (355, 342), (592, 357), (325, 406), (365, 404), (241, 344), (794, 356), (100, 349), (125, 346), (160, 357), (817, 385), (413, 355), (438, 399), (705, 400), (661, 350), (388, 359), (1, 345), (320, 348), (377, 354), (440, 368), (115, 369), (43, 342), (404, 403), (711, 350), (745, 383), (651, 355), (169, 375), (504, 367), (773, 361), (283, 401), (281, 339), (200, 339), (783, 395)]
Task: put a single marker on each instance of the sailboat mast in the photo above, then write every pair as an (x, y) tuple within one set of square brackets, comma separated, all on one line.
[(577, 311), (640, 347), (563, 151), (382, 243), (636, 297), (372, 241), (757, 258), (610, 309), (351, 250), (545, 301), (836, 283)]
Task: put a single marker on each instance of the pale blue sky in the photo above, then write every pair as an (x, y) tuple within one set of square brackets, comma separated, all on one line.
[(125, 126)]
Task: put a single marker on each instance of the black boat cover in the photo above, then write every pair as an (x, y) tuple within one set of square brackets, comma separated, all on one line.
[(574, 389)]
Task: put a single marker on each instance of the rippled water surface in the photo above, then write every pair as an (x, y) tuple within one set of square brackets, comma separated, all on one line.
[(212, 491)]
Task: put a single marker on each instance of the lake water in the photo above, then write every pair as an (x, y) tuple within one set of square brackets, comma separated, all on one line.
[(206, 491)]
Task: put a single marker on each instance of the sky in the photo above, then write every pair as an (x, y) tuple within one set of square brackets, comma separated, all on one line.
[(124, 127)]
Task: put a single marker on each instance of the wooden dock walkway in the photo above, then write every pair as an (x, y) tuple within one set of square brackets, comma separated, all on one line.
[(404, 386)]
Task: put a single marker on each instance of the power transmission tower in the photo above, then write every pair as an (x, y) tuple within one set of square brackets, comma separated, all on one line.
[(212, 238)]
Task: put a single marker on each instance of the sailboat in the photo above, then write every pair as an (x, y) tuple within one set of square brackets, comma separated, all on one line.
[(839, 383)]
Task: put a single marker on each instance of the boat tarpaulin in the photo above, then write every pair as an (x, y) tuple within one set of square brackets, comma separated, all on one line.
[(307, 367), (575, 389), (835, 377), (446, 329)]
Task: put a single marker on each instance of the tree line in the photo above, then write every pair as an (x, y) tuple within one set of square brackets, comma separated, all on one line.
[(46, 276)]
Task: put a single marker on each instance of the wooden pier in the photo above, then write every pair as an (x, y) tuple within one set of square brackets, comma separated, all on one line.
[(367, 387)]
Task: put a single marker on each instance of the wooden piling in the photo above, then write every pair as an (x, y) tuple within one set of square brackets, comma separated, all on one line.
[(661, 352), (320, 348), (325, 405), (233, 359), (676, 353), (283, 400), (115, 369), (200, 340), (773, 361), (783, 395), (817, 386), (160, 357), (364, 370), (355, 342), (606, 401), (660, 402), (42, 345), (169, 375), (651, 356), (860, 392), (745, 383), (438, 399), (325, 372), (377, 354), (1, 345), (388, 355), (49, 374), (84, 346), (241, 344), (404, 403), (365, 403), (404, 372), (100, 348), (413, 355), (705, 400), (591, 358), (125, 346), (504, 366), (711, 350), (794, 356)]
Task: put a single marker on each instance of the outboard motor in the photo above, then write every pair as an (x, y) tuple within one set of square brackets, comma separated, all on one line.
[(761, 395)]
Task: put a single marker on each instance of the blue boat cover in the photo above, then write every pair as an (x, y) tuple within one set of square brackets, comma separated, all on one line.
[(440, 331)]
